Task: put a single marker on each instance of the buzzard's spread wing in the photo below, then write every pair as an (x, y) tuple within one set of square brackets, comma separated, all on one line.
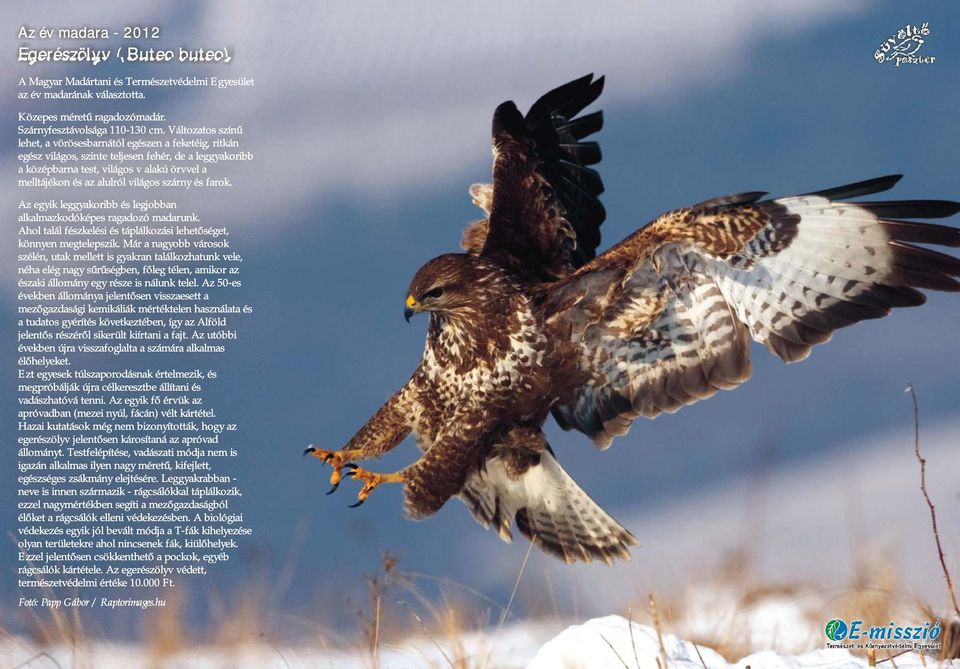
[(664, 318), (543, 210)]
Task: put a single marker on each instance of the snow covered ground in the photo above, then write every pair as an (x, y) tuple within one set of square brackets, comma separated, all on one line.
[(512, 649), (611, 642), (614, 643)]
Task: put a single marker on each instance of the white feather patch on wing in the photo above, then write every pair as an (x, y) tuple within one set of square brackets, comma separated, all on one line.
[(835, 271)]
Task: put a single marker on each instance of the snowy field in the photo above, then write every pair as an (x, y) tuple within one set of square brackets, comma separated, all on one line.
[(612, 642)]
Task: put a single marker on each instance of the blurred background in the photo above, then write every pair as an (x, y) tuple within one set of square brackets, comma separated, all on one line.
[(369, 122)]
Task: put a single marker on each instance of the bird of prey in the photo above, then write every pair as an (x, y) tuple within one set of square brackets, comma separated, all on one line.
[(529, 321)]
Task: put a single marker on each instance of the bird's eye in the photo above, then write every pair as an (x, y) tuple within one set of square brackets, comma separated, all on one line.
[(433, 293)]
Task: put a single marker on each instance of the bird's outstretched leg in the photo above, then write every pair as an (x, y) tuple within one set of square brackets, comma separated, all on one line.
[(336, 459), (386, 428), (371, 480), (434, 478)]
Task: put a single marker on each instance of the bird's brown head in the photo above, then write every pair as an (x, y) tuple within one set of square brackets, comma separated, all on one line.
[(454, 283)]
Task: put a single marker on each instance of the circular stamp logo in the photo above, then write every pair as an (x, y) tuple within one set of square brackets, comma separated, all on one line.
[(836, 630)]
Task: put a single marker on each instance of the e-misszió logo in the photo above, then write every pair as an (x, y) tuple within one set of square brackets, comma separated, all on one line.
[(838, 629)]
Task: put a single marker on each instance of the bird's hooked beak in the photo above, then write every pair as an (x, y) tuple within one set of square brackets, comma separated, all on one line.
[(412, 307)]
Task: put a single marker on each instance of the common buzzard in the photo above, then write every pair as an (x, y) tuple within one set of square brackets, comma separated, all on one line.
[(529, 321)]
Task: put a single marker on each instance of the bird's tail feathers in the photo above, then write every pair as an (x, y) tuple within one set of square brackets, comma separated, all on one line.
[(550, 509)]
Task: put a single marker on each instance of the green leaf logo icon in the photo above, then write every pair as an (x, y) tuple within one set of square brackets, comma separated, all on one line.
[(835, 630)]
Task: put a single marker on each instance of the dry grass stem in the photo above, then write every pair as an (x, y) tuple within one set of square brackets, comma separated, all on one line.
[(614, 651), (697, 648), (26, 663), (923, 488), (656, 625), (633, 643), (432, 638), (513, 594)]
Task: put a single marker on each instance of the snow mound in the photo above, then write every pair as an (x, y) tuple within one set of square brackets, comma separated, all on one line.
[(613, 642), (784, 620)]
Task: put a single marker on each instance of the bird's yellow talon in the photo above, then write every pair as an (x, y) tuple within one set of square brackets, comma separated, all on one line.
[(336, 459), (370, 481)]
